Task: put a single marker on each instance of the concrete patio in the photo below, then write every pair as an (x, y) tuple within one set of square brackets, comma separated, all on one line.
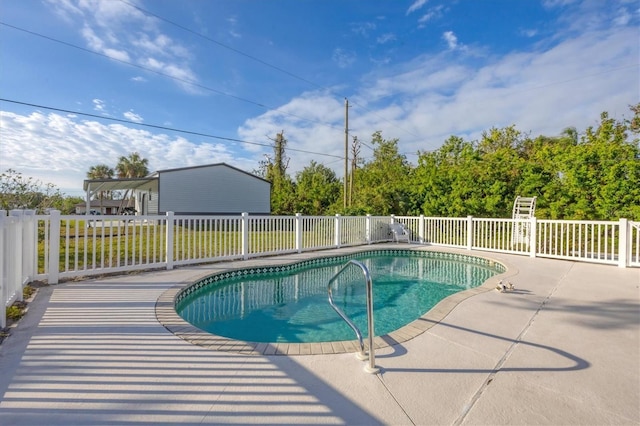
[(563, 348)]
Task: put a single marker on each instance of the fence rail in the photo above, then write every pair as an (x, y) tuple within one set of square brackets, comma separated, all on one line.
[(53, 247)]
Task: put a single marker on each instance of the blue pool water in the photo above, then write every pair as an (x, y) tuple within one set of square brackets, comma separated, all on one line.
[(289, 303)]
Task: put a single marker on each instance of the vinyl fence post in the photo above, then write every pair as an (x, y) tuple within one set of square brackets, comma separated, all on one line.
[(18, 253), (299, 232), (533, 236), (368, 229), (469, 232), (3, 278), (29, 246), (54, 247), (245, 235), (338, 229), (389, 232), (169, 240), (622, 243), (421, 238)]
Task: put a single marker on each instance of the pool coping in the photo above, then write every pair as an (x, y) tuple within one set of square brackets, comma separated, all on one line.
[(169, 318)]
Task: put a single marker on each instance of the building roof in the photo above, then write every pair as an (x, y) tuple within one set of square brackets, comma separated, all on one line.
[(97, 185), (209, 165)]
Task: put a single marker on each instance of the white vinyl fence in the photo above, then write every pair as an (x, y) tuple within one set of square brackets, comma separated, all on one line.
[(18, 256), (54, 247)]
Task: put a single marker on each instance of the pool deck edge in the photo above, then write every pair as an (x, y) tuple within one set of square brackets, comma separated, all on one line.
[(169, 318)]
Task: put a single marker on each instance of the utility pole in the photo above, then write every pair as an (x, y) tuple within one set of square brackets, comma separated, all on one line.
[(346, 149)]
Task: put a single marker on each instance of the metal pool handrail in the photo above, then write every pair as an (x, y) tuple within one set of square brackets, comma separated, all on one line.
[(371, 368)]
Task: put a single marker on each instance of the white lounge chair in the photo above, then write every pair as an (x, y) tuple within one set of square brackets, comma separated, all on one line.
[(400, 232)]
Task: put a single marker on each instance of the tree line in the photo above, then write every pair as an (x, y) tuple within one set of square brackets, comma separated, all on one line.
[(22, 192), (590, 176), (594, 175)]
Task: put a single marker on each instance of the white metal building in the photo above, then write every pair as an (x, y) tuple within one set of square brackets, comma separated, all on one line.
[(210, 189)]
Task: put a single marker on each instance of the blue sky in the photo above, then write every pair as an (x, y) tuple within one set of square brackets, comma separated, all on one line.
[(419, 71)]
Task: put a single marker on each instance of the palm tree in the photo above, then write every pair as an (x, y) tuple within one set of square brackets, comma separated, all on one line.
[(101, 171), (132, 166)]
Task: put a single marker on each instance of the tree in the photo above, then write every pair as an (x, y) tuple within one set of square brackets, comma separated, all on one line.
[(608, 172), (499, 171), (355, 161), (634, 123), (380, 186), (274, 169), (595, 176), (66, 205), (444, 182), (19, 192), (317, 189), (101, 171), (132, 166), (543, 170)]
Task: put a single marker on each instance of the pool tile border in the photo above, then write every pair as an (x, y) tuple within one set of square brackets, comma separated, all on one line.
[(168, 317), (233, 273)]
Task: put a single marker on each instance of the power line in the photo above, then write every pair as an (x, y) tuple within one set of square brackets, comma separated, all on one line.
[(196, 84), (155, 126), (239, 52), (182, 80), (265, 63)]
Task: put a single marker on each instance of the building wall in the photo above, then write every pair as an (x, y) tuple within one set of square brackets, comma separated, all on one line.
[(214, 189), (147, 199)]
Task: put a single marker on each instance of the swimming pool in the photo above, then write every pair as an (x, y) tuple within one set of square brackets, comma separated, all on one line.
[(288, 303)]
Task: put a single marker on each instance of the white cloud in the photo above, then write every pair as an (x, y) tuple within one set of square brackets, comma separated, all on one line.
[(160, 45), (343, 58), (119, 55), (108, 14), (433, 97), (623, 16), (549, 4), (592, 16), (232, 31), (98, 105), (529, 32), (99, 45), (60, 149), (565, 80), (363, 28), (65, 9), (433, 13), (385, 38), (183, 76), (132, 116), (416, 5), (122, 32), (451, 39), (303, 135)]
